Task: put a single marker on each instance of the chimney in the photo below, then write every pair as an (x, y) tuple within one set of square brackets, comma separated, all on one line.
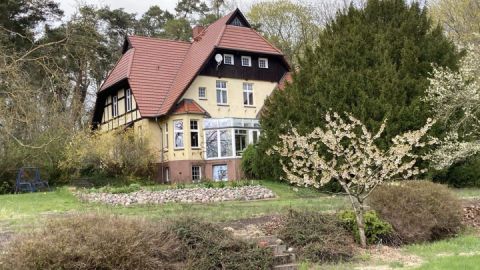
[(197, 30)]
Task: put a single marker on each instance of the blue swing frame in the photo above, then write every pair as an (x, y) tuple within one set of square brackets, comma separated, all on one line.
[(32, 184)]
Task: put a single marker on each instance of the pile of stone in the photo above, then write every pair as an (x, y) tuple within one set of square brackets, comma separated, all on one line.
[(471, 214), (191, 195)]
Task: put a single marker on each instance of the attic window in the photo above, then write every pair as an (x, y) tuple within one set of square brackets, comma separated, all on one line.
[(246, 61), (237, 22), (228, 59), (262, 62)]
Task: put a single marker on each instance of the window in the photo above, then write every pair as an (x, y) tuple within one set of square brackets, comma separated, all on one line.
[(114, 106), (202, 93), (166, 137), (212, 144), (254, 136), (196, 173), (167, 175), (222, 92), (248, 94), (240, 141), (246, 61), (228, 59), (219, 143), (262, 62), (194, 134), (128, 100), (220, 172), (178, 133)]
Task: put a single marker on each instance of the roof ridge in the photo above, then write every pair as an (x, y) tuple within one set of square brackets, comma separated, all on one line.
[(160, 39)]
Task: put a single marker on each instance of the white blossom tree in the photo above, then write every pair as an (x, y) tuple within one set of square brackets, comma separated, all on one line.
[(455, 99), (345, 151)]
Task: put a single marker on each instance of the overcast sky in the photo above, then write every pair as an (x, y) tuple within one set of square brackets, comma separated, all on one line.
[(132, 6)]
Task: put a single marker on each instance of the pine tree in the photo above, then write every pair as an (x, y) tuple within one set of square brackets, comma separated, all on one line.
[(372, 62)]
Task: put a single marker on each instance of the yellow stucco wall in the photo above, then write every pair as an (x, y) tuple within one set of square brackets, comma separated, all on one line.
[(234, 107)]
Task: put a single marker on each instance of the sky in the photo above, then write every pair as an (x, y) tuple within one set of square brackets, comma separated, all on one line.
[(132, 6)]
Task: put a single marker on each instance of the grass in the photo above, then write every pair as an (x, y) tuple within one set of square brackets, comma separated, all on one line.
[(26, 209), (467, 193)]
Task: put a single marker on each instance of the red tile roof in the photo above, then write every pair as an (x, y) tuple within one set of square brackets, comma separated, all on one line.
[(159, 71), (188, 106), (286, 79)]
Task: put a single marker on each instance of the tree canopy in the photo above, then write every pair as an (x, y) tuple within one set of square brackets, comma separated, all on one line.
[(373, 62)]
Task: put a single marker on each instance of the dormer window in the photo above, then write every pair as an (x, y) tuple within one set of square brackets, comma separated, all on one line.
[(228, 59), (246, 61), (262, 62)]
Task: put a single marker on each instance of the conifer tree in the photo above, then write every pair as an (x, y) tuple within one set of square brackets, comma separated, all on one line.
[(373, 62)]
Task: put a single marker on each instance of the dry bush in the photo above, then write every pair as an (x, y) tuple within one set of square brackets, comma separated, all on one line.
[(116, 153), (319, 237), (419, 211), (210, 247), (95, 242)]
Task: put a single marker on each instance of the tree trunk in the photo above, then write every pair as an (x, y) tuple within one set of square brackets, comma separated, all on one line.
[(361, 224)]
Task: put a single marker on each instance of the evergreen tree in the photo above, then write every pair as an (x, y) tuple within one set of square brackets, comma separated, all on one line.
[(373, 62)]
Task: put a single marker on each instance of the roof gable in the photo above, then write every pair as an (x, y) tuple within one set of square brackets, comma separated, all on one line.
[(159, 71)]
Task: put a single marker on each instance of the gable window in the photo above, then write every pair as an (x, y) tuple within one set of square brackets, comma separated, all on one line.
[(128, 100), (196, 173), (221, 92), (262, 62), (228, 59), (114, 106), (194, 134), (237, 22), (248, 94), (178, 133), (202, 93), (246, 61)]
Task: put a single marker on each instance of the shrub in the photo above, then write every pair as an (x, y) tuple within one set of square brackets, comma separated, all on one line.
[(95, 242), (121, 189), (92, 153), (208, 184), (462, 174), (418, 210), (6, 187), (210, 247), (376, 229), (318, 237)]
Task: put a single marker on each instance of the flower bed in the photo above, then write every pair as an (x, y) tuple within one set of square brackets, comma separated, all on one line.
[(191, 195)]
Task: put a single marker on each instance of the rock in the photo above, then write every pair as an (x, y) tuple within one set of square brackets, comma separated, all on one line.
[(192, 195)]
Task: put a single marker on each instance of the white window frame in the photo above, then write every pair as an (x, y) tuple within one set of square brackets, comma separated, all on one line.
[(247, 89), (199, 174), (263, 59), (179, 131), (221, 89), (114, 106), (165, 146), (231, 57), (249, 58), (197, 130), (200, 90), (128, 100)]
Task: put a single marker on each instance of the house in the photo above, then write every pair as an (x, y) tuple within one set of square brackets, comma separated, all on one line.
[(198, 101)]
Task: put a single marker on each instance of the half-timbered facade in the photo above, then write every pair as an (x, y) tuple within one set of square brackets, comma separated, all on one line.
[(198, 101)]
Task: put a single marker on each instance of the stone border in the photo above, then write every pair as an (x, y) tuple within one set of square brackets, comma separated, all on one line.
[(188, 195)]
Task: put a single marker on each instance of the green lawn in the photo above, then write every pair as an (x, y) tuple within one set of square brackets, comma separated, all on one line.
[(25, 209)]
